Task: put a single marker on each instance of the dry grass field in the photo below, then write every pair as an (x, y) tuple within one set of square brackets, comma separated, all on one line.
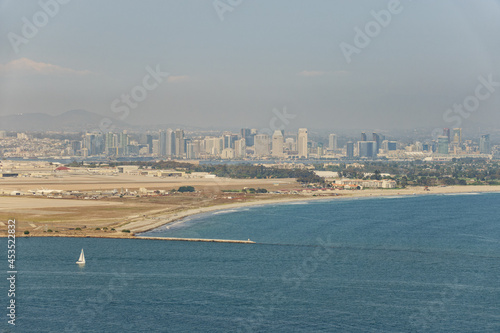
[(43, 216)]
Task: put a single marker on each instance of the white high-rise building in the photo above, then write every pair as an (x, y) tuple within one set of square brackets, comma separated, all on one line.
[(162, 142), (193, 149), (261, 144), (302, 142), (213, 145), (240, 148), (277, 144), (290, 144), (179, 143), (332, 142), (156, 147), (227, 154), (170, 142)]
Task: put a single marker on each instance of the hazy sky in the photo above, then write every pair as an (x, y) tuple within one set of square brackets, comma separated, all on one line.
[(231, 62)]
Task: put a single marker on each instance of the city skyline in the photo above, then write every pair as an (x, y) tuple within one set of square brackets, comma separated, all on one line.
[(250, 166), (248, 144)]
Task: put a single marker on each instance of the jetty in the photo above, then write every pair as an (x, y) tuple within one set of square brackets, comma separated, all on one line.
[(132, 236), (197, 240)]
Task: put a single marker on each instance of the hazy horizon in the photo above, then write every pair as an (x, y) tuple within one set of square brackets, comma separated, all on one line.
[(230, 64)]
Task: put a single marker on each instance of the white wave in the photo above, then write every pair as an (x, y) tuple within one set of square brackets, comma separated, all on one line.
[(468, 193), (225, 211)]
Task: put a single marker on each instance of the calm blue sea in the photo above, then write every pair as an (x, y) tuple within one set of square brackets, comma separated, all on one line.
[(403, 264)]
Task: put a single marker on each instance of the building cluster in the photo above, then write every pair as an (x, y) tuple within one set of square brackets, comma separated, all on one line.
[(248, 144), (451, 142)]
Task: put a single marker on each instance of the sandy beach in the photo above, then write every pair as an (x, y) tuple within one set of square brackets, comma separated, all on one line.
[(142, 225), (108, 219)]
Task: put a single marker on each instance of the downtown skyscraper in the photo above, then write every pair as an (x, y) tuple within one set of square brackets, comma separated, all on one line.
[(302, 143)]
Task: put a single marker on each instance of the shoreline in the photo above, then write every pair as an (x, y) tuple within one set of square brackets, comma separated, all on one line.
[(144, 224), (169, 218)]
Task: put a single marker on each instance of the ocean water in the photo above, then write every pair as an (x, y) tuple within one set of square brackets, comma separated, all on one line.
[(403, 264)]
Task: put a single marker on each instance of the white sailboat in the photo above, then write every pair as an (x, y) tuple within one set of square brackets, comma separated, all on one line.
[(81, 260)]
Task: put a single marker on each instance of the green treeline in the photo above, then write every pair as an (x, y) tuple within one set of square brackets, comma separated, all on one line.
[(232, 171)]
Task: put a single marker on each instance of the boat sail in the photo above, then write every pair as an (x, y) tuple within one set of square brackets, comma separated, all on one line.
[(81, 260)]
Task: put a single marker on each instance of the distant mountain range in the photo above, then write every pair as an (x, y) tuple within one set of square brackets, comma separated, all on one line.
[(71, 121), (75, 121)]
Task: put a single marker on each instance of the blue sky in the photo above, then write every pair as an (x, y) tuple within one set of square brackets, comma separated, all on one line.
[(265, 54)]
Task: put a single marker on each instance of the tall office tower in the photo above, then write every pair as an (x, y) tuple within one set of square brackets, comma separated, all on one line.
[(389, 145), (484, 144), (443, 144), (302, 142), (179, 143), (212, 145), (226, 140), (249, 140), (350, 149), (3, 134), (162, 142), (378, 140), (446, 133), (367, 149), (261, 144), (99, 143), (332, 142), (149, 142), (246, 133), (110, 141), (193, 148), (457, 136), (277, 144), (76, 146), (155, 147), (319, 150), (363, 136), (290, 144), (90, 144), (240, 148), (229, 140), (123, 140), (170, 142)]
